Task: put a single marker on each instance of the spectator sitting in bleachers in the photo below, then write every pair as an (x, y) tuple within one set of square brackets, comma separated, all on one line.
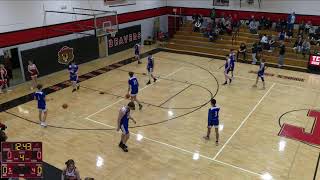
[(311, 32), (302, 26), (264, 41), (282, 35), (289, 34), (307, 27), (298, 45), (278, 25), (251, 19), (253, 27), (268, 23), (204, 25), (242, 50), (272, 44), (283, 24), (300, 33), (229, 27), (197, 21), (306, 46), (262, 23)]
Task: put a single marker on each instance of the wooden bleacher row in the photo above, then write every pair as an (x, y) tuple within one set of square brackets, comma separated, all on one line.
[(186, 40), (225, 41)]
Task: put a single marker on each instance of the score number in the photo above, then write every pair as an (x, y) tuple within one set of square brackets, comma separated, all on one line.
[(31, 170)]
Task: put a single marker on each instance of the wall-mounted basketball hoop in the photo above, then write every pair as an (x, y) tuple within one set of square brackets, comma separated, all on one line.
[(100, 23)]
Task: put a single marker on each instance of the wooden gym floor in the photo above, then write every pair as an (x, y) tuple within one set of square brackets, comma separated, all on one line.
[(166, 142)]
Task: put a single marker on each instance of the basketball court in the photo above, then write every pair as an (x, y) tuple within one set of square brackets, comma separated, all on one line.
[(166, 142)]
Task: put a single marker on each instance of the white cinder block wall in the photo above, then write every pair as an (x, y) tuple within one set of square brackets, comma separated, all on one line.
[(23, 14), (306, 7)]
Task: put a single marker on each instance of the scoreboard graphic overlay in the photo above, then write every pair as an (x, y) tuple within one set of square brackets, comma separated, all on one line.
[(21, 160)]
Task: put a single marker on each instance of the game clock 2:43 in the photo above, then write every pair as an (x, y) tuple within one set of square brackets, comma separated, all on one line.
[(21, 159)]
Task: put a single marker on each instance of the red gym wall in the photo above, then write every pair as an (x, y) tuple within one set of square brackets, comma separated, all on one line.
[(40, 33)]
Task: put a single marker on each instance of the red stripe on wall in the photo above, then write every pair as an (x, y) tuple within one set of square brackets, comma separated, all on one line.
[(40, 33)]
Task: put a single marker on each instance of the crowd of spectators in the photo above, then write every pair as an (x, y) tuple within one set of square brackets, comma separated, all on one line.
[(300, 36)]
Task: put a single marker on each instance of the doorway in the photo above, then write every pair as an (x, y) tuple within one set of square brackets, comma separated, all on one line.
[(13, 66)]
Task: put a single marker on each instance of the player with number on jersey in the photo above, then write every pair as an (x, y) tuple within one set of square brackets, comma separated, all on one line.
[(213, 120), (40, 96), (150, 68), (133, 88)]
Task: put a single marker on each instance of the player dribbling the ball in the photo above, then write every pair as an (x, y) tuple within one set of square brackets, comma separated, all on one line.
[(123, 124), (260, 74), (213, 120), (40, 96), (133, 89), (150, 68)]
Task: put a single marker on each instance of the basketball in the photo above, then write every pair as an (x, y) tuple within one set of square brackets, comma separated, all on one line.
[(127, 96), (65, 106)]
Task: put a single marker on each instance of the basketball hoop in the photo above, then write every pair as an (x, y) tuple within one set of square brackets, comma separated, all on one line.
[(112, 32)]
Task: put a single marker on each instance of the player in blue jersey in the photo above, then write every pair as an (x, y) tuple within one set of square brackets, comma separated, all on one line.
[(232, 57), (123, 124), (150, 68), (260, 73), (133, 88), (137, 50), (73, 70), (213, 120), (40, 96), (227, 67)]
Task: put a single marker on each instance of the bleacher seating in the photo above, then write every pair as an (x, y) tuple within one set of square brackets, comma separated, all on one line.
[(187, 40)]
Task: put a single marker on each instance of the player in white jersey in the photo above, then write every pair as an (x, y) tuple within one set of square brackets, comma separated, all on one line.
[(137, 50), (33, 70), (227, 68)]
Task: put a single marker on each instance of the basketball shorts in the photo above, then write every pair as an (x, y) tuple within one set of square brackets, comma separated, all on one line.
[(42, 108), (134, 93), (213, 123), (150, 69), (74, 78), (124, 128)]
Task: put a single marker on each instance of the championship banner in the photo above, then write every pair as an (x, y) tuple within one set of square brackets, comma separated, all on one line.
[(124, 39)]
